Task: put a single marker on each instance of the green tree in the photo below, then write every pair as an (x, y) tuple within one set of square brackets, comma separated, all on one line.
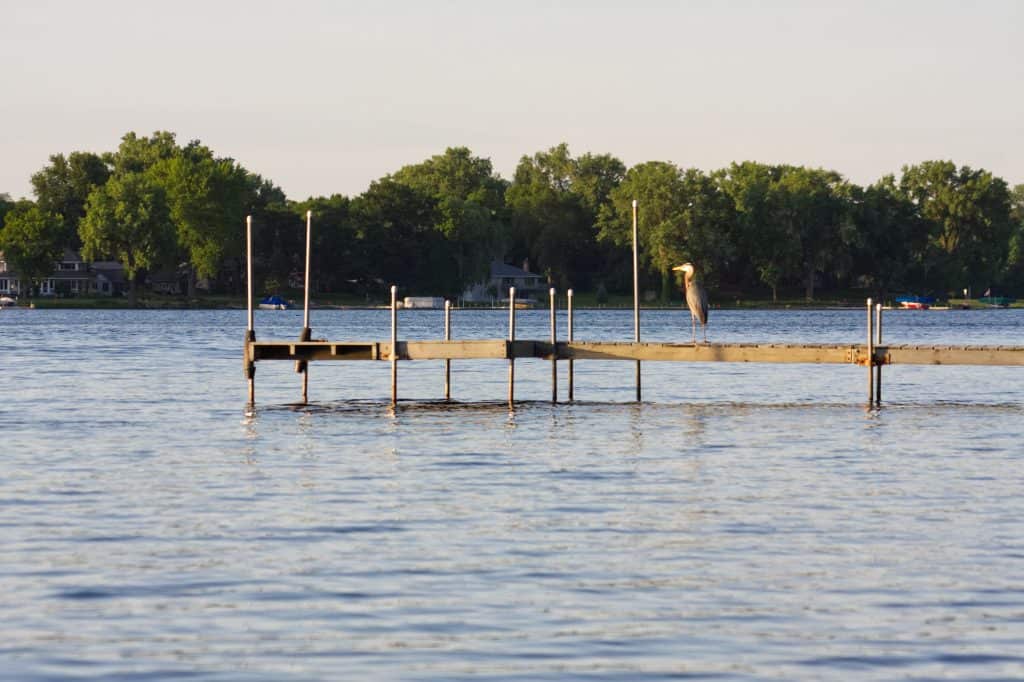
[(1014, 275), (138, 154), (554, 201), (338, 260), (660, 193), (31, 242), (6, 204), (682, 216), (889, 255), (208, 199), (812, 208), (469, 199), (397, 222), (128, 219), (595, 176), (968, 212), (63, 186), (766, 252)]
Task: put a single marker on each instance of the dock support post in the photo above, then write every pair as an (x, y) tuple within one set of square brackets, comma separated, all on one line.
[(447, 337), (302, 366), (878, 368), (871, 356), (636, 296), (512, 345), (569, 338), (250, 333), (394, 345), (250, 366), (554, 354)]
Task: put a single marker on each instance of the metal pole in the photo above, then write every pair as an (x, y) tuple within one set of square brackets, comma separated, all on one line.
[(309, 243), (636, 296), (878, 368), (394, 345), (569, 338), (511, 345), (248, 266), (447, 337), (250, 332), (871, 356), (554, 351), (302, 366)]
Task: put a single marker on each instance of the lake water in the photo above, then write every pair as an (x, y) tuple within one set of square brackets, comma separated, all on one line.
[(743, 522)]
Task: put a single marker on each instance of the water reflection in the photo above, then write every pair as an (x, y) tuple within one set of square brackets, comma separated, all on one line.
[(742, 522)]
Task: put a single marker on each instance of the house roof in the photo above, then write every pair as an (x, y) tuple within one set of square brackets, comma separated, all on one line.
[(499, 269)]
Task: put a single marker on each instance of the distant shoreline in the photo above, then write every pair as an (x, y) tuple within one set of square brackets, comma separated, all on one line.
[(201, 304)]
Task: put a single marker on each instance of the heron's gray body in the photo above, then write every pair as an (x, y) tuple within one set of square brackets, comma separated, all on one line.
[(696, 300)]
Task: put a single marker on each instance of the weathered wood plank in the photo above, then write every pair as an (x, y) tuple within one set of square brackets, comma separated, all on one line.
[(494, 349), (951, 355), (501, 349), (718, 352)]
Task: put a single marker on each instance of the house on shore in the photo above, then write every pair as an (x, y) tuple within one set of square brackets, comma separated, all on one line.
[(529, 285), (71, 276)]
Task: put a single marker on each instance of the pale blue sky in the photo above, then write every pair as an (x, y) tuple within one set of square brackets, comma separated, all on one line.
[(324, 97)]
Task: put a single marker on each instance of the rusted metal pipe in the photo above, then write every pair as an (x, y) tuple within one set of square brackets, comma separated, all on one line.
[(512, 344), (878, 368), (569, 338), (447, 362), (250, 332), (394, 345), (636, 294), (554, 354), (870, 354), (309, 245), (302, 366)]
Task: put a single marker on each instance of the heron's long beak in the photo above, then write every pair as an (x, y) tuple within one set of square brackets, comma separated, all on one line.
[(678, 267)]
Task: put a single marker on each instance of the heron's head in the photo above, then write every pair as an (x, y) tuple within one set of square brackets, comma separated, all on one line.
[(685, 267)]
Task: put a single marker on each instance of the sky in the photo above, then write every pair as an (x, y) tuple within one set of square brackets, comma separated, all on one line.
[(323, 97)]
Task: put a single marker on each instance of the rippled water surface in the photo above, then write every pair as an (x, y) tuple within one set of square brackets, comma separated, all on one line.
[(743, 522)]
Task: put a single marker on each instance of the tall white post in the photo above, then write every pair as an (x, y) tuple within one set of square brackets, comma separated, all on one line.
[(248, 267), (554, 350), (394, 345), (309, 244), (511, 346), (636, 294)]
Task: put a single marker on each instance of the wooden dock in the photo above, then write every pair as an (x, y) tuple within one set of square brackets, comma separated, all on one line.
[(873, 354), (501, 349), (874, 357)]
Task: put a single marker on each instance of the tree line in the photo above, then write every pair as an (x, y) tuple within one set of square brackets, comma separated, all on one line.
[(752, 229)]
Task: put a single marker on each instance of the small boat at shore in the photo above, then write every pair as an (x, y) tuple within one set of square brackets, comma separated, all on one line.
[(915, 302), (274, 303), (7, 302)]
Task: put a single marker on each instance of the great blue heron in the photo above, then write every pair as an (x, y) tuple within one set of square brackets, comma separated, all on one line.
[(696, 300)]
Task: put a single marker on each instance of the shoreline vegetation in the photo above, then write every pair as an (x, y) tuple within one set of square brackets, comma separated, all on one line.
[(581, 302), (164, 212)]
